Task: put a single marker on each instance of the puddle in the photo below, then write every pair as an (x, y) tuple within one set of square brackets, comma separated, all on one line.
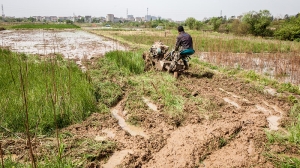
[(275, 108), (262, 109), (150, 105), (100, 138), (273, 118), (273, 122), (132, 130), (117, 158), (231, 102), (270, 91), (109, 133)]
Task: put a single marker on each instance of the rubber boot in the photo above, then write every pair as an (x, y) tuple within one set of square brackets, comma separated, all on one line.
[(186, 65)]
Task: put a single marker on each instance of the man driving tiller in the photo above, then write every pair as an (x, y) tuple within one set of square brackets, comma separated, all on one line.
[(184, 42)]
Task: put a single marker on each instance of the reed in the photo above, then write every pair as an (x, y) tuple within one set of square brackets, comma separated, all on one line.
[(46, 91)]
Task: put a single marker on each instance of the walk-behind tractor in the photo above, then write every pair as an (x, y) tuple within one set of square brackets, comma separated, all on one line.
[(160, 59)]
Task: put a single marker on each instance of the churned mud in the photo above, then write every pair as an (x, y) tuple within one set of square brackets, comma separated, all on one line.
[(234, 137)]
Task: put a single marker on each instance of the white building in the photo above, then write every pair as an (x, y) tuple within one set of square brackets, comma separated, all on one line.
[(110, 18)]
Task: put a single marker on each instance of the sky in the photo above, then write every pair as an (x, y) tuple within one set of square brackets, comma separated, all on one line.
[(173, 9)]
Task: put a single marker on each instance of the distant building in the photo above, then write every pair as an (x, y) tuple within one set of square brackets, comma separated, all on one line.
[(130, 18), (118, 19), (110, 18), (65, 18), (53, 18), (153, 18), (148, 18), (46, 19), (138, 19), (38, 18), (88, 19)]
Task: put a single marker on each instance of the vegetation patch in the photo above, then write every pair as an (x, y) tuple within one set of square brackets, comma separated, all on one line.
[(54, 92)]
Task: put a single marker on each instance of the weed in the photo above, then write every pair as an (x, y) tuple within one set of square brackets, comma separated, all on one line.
[(134, 120), (288, 87), (9, 162), (108, 93), (222, 142), (283, 161), (100, 150)]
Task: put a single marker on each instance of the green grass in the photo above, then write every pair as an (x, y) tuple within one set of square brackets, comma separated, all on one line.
[(127, 62), (283, 161), (207, 42), (54, 89), (45, 26), (110, 75), (120, 72)]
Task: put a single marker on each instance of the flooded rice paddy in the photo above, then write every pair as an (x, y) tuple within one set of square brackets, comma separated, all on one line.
[(72, 44)]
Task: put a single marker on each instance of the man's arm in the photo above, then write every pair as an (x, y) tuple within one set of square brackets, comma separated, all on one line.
[(177, 43)]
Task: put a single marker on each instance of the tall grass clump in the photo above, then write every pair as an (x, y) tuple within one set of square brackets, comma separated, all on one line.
[(57, 92), (294, 129), (111, 73), (128, 62)]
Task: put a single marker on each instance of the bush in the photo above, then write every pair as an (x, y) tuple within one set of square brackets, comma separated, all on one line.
[(290, 30)]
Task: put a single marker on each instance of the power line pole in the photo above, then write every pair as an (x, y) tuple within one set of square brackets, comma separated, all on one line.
[(2, 12)]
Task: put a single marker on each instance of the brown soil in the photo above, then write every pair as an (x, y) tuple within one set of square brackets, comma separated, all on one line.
[(234, 135)]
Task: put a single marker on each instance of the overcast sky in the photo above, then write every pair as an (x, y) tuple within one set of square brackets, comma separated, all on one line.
[(174, 9)]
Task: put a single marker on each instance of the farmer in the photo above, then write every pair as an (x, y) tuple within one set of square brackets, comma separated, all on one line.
[(185, 43)]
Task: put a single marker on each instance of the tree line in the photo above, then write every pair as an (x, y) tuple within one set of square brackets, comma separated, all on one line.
[(260, 23)]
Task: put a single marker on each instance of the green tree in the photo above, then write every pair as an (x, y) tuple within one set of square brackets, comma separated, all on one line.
[(290, 30), (198, 25), (239, 28), (216, 22), (31, 19), (190, 22), (258, 22), (69, 21)]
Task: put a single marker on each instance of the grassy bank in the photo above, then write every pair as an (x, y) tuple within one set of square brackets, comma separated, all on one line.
[(207, 42), (45, 26), (54, 92)]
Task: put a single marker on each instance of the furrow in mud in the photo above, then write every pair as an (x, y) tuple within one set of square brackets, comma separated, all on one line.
[(188, 144)]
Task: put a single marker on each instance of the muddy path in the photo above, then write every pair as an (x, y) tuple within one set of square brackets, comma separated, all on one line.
[(234, 135)]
